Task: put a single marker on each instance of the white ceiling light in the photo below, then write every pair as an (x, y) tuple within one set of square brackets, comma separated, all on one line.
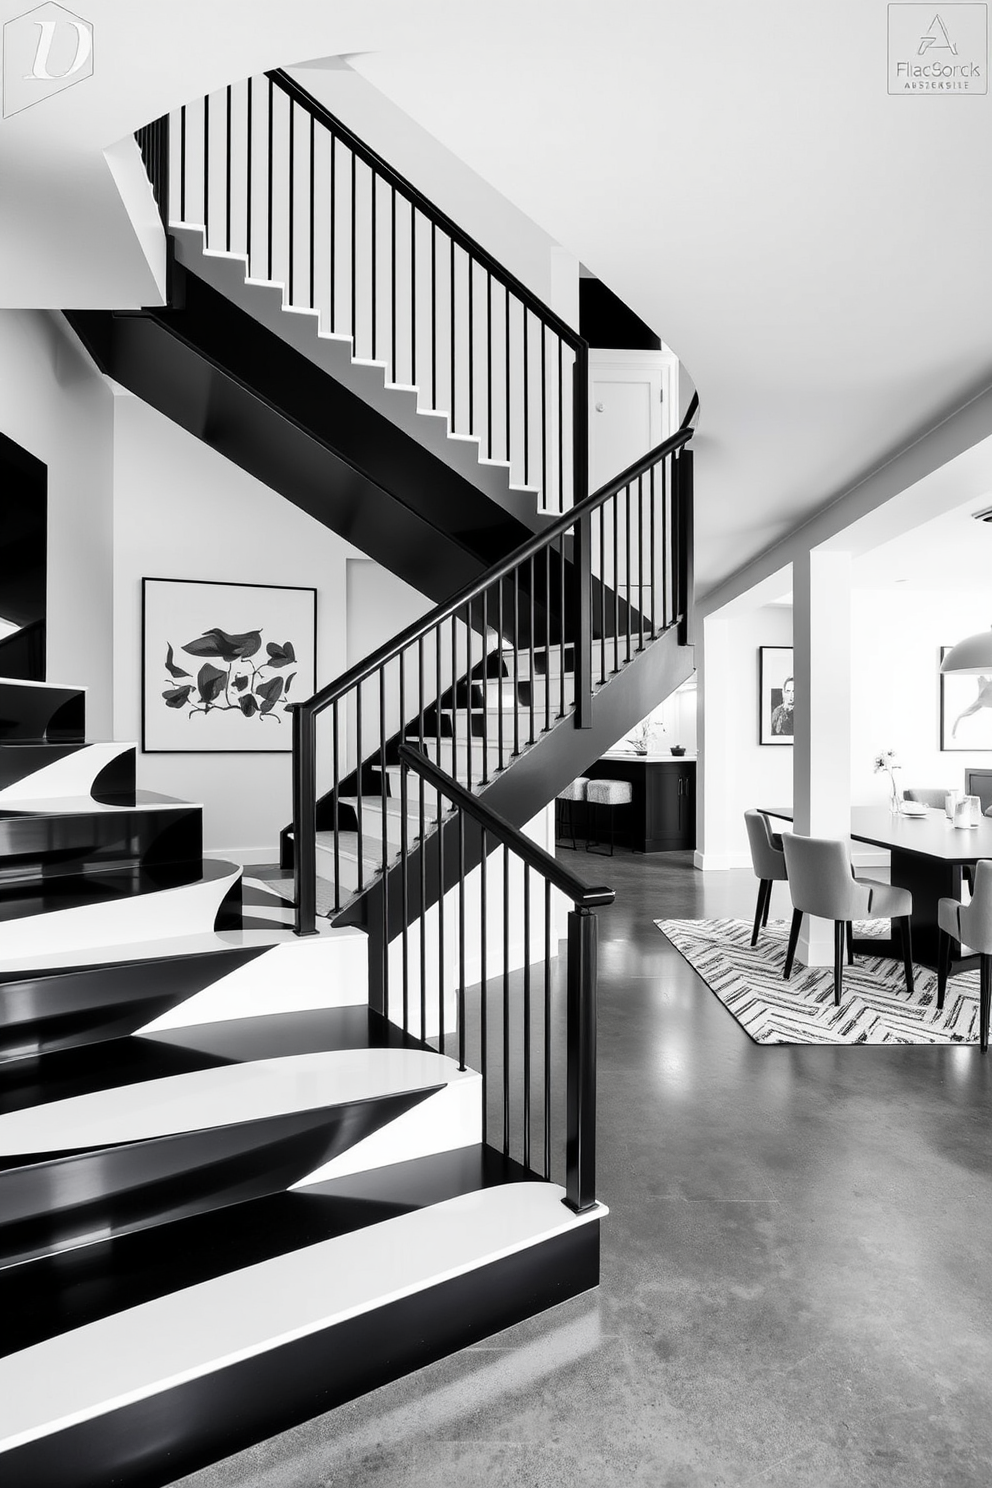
[(971, 657)]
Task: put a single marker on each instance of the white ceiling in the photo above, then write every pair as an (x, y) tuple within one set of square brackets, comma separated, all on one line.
[(815, 250)]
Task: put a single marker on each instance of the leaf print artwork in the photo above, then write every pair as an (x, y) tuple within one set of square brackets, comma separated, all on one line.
[(230, 681)]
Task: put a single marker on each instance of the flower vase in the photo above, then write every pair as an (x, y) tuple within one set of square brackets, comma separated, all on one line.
[(894, 801)]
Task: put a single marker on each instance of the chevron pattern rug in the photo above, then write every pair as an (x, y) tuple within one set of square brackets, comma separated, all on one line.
[(875, 1007)]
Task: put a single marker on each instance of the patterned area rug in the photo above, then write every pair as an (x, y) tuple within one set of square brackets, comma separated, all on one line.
[(875, 1007)]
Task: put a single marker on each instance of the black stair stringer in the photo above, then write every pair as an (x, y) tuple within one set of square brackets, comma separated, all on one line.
[(529, 783), (229, 381)]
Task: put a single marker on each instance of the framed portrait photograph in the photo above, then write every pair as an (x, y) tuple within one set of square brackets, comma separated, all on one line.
[(965, 711), (776, 695), (220, 663)]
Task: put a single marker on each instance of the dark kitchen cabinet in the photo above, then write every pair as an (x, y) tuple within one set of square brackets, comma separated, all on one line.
[(662, 814)]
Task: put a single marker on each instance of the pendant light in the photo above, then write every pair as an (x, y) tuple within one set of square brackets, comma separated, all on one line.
[(971, 657)]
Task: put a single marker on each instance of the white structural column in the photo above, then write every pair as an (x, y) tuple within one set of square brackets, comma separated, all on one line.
[(822, 754), (716, 732)]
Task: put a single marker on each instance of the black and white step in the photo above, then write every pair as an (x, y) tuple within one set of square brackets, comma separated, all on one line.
[(66, 835), (36, 771)]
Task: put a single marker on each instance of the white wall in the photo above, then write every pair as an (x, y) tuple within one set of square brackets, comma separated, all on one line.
[(895, 700), (749, 774), (56, 405), (183, 511)]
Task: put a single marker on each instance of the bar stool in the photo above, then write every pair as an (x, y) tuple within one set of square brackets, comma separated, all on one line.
[(565, 806), (609, 793)]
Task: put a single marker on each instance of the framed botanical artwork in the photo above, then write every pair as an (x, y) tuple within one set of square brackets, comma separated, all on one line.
[(220, 663), (965, 710), (776, 695)]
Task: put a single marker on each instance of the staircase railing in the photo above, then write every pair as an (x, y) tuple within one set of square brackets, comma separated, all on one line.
[(520, 1026), (272, 175), (576, 603)]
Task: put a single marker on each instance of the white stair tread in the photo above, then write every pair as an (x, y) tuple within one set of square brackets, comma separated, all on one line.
[(50, 686), (86, 806), (159, 1344), (204, 943), (222, 1097)]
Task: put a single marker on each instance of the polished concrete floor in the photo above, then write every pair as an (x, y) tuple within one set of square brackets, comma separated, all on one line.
[(795, 1286)]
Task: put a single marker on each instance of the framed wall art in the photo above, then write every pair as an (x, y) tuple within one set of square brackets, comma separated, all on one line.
[(776, 695), (965, 711), (220, 663)]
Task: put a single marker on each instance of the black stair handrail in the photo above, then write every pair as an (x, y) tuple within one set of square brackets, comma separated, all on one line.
[(577, 1155), (392, 177), (419, 629), (551, 575)]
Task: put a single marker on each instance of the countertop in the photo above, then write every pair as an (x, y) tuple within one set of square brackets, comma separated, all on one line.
[(653, 757)]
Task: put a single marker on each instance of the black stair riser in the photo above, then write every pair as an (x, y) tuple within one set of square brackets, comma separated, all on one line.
[(33, 846), (59, 1010), (34, 714), (64, 1201), (206, 1419), (113, 785)]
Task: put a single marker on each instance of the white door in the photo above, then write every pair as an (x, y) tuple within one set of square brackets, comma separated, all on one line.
[(632, 395)]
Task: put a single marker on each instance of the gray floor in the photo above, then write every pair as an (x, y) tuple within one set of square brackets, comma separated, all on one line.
[(795, 1287)]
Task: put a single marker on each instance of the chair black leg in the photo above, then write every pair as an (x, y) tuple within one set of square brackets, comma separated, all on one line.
[(768, 903), (790, 955), (906, 938), (850, 944), (986, 993), (764, 885), (943, 966), (839, 927)]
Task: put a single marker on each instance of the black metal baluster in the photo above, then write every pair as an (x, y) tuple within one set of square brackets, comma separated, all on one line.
[(602, 594), (626, 536), (182, 164), (249, 162), (270, 214), (547, 638), (640, 561), (469, 729), (561, 631), (206, 170), (392, 267), (461, 939), (383, 801), (354, 249), (547, 1028), (615, 503), (336, 782), (292, 198), (651, 578), (433, 315), (358, 750), (332, 230), (422, 850), (526, 318), (440, 921), (484, 986), (227, 164), (313, 255), (451, 286), (516, 661), (530, 642), (413, 296), (664, 543), (509, 459), (489, 364), (561, 428), (506, 1001), (454, 701), (526, 1016), (544, 417), (485, 687), (405, 887), (471, 345), (374, 263), (499, 669)]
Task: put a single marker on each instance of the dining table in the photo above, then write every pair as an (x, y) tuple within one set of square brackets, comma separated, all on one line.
[(928, 855)]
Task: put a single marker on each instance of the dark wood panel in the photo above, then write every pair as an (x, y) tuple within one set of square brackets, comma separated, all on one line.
[(662, 814)]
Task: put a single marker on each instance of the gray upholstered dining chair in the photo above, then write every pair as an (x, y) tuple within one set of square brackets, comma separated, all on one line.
[(971, 924), (768, 862), (926, 795), (822, 883)]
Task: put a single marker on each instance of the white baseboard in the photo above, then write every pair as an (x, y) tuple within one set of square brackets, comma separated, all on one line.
[(707, 862), (244, 856)]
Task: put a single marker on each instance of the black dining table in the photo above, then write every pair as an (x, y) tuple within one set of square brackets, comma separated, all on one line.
[(928, 856)]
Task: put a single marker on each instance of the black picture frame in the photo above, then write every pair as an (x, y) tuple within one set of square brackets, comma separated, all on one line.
[(958, 696), (262, 637), (775, 669)]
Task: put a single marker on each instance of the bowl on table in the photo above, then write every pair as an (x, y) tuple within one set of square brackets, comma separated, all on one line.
[(913, 808)]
